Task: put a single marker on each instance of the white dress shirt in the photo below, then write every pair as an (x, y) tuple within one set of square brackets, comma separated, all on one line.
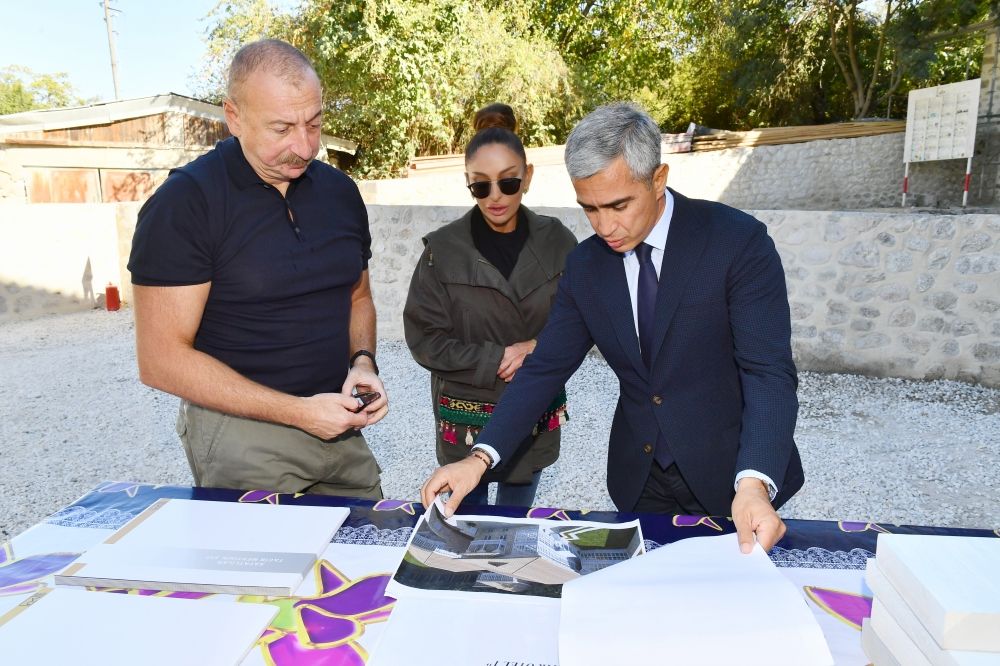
[(657, 238)]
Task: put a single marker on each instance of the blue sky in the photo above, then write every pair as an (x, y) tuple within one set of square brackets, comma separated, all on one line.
[(160, 43)]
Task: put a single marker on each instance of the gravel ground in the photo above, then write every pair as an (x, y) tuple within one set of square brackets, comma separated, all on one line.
[(74, 414)]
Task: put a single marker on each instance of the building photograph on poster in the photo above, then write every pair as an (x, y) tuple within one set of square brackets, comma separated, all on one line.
[(516, 556)]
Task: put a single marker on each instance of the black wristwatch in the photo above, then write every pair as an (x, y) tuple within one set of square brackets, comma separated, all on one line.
[(364, 352)]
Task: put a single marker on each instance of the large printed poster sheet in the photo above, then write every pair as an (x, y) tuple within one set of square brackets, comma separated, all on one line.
[(519, 557), (494, 585), (941, 122)]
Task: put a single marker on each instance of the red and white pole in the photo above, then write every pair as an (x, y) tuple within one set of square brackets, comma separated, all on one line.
[(968, 179), (906, 181)]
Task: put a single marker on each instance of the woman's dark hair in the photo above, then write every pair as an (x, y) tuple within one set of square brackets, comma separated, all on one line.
[(495, 124)]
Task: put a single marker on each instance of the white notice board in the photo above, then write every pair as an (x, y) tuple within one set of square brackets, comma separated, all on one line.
[(941, 122)]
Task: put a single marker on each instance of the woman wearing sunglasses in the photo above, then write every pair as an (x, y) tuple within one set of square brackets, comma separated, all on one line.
[(479, 295)]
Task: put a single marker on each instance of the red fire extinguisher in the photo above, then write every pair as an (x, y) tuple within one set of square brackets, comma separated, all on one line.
[(111, 299)]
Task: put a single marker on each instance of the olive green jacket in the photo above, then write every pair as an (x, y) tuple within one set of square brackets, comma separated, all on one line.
[(461, 314)]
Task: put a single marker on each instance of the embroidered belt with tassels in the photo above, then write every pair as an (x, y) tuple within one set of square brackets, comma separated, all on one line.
[(456, 415)]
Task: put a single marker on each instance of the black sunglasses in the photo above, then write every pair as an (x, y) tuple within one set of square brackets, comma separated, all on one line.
[(481, 189)]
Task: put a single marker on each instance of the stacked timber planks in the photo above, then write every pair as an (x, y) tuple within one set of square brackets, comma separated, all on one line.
[(770, 136), (674, 143)]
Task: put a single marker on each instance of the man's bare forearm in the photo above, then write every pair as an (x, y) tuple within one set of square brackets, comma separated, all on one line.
[(206, 381), (166, 323), (363, 327)]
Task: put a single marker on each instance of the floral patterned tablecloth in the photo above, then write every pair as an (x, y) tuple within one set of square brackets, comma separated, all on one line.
[(336, 617)]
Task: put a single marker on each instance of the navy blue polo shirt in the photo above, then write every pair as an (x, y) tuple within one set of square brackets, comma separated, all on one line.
[(279, 307)]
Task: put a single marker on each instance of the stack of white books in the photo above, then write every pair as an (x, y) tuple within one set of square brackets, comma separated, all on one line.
[(214, 547), (936, 601)]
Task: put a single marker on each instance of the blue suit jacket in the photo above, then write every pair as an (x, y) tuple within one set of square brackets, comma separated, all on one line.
[(722, 384)]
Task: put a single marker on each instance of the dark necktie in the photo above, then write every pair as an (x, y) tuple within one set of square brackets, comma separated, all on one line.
[(646, 300), (646, 306)]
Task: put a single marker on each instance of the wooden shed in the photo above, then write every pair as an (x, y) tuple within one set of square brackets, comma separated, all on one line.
[(111, 151)]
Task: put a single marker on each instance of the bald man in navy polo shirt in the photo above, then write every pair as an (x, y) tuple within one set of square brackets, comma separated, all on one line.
[(251, 295)]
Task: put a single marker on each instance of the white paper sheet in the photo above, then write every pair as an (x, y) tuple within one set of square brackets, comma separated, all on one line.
[(482, 631), (696, 601), (253, 527), (67, 626), (875, 648), (894, 637)]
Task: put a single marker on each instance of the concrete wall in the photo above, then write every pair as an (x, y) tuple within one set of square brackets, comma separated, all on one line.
[(882, 293), (57, 257), (832, 174)]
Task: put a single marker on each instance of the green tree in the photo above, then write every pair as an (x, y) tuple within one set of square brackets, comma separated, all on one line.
[(750, 63), (878, 49), (740, 64), (232, 24), (614, 49), (24, 90), (404, 78)]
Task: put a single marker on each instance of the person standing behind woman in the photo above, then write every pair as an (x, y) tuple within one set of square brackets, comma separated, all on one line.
[(479, 295)]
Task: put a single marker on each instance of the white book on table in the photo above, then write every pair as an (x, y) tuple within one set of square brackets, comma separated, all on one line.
[(892, 608), (71, 626), (204, 546), (875, 648), (951, 583), (895, 638)]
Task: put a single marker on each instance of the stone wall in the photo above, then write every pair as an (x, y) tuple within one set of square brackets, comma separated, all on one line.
[(897, 294), (396, 246), (832, 174)]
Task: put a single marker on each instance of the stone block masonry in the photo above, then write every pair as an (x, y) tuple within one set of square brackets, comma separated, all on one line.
[(882, 293), (888, 294), (893, 294), (832, 174)]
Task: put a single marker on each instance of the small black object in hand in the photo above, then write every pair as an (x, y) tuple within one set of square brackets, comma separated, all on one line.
[(365, 399)]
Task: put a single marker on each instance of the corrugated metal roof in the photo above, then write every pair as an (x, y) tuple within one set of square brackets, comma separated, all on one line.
[(104, 113)]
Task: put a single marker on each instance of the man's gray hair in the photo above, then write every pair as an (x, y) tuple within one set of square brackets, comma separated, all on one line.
[(274, 57), (611, 131)]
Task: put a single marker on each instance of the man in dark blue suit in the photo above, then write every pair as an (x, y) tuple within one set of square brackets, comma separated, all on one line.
[(686, 300)]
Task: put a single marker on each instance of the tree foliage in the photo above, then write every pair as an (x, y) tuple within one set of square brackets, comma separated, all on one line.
[(612, 46), (24, 90), (751, 63), (404, 77), (233, 24), (878, 49)]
